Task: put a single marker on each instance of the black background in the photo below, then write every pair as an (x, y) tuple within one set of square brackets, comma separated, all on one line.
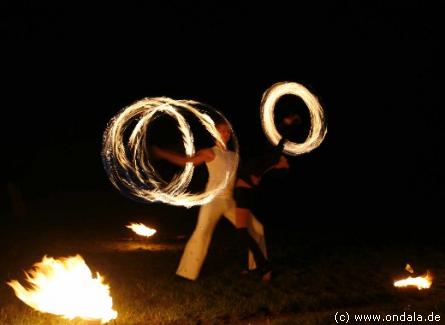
[(375, 66)]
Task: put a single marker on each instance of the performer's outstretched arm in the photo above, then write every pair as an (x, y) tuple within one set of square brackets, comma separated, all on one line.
[(202, 156)]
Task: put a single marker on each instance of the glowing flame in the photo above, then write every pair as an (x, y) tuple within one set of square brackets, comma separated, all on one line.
[(141, 229), (65, 287), (127, 161), (421, 282), (409, 268), (318, 128)]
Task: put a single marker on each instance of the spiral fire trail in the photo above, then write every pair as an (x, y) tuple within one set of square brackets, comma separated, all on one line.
[(127, 161)]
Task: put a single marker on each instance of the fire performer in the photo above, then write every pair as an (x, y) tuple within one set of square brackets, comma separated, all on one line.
[(249, 178), (217, 160)]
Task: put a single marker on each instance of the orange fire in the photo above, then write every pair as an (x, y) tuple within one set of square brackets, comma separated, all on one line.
[(409, 268), (65, 287), (141, 229), (421, 282)]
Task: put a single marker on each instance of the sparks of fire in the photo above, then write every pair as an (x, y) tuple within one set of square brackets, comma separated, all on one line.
[(141, 229), (421, 282), (409, 268), (318, 129), (65, 287), (127, 161)]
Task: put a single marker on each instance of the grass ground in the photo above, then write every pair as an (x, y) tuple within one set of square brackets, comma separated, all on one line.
[(320, 270)]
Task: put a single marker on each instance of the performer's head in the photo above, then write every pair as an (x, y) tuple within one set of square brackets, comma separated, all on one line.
[(225, 132), (291, 118)]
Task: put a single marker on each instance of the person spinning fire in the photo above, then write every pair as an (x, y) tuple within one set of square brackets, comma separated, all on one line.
[(248, 179)]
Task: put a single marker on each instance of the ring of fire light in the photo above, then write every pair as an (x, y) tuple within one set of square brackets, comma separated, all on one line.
[(129, 167), (318, 129)]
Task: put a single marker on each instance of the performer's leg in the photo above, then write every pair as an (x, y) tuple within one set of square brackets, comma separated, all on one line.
[(197, 246), (243, 217), (255, 229)]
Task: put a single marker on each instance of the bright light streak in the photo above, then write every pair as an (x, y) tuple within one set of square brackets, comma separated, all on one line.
[(318, 129), (127, 161)]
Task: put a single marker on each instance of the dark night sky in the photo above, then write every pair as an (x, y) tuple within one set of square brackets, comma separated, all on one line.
[(374, 66)]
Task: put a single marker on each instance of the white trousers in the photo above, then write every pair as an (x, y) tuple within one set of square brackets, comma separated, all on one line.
[(197, 246)]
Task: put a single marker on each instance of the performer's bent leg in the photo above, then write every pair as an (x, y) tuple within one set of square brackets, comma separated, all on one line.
[(256, 230), (243, 217)]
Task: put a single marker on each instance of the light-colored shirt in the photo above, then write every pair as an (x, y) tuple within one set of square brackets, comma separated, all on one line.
[(222, 163)]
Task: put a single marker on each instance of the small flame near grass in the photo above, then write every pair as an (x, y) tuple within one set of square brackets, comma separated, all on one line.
[(141, 229), (420, 282)]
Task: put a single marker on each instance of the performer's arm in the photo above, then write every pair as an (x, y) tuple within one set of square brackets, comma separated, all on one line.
[(202, 156)]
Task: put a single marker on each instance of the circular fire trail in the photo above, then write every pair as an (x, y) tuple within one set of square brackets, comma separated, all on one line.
[(127, 162), (318, 129)]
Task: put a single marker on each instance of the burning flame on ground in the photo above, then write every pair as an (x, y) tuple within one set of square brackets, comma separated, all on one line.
[(421, 282), (141, 229), (65, 287)]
